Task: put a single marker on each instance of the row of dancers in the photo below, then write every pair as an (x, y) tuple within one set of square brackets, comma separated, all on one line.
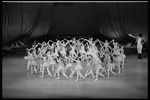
[(62, 55)]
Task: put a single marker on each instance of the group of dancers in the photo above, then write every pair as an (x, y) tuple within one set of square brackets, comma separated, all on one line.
[(57, 56)]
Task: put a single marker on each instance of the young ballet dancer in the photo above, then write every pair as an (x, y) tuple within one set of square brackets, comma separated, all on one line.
[(53, 57)]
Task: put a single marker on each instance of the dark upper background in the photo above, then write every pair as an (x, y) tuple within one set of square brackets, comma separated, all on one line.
[(24, 22), (76, 19)]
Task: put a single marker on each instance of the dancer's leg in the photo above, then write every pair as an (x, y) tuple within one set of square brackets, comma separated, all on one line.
[(113, 67), (112, 70), (72, 73), (71, 69), (65, 70), (43, 71), (97, 71), (118, 67), (49, 73), (28, 65), (77, 76), (92, 73), (64, 74), (86, 73), (58, 74), (81, 74), (41, 68), (55, 72), (101, 74), (31, 69), (52, 68), (35, 69), (102, 70), (123, 63), (108, 72), (105, 70)]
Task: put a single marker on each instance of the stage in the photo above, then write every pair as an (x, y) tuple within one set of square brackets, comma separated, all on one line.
[(17, 82)]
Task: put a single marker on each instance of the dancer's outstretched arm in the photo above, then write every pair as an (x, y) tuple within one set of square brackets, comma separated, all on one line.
[(111, 41), (37, 45), (100, 42), (68, 41), (70, 45), (97, 40), (63, 40), (86, 44)]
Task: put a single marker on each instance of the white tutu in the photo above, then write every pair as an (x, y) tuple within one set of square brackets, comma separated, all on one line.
[(61, 67), (33, 63), (68, 65), (26, 57), (78, 67), (52, 62), (109, 65), (45, 64), (99, 67), (123, 56)]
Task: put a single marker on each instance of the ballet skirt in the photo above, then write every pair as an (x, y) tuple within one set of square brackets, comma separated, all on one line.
[(99, 66), (45, 64), (29, 57), (26, 57), (33, 63), (78, 67), (61, 67), (109, 65), (68, 65), (52, 62), (72, 52), (123, 56)]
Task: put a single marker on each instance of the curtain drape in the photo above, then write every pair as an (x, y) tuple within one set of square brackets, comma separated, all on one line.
[(118, 20), (24, 22)]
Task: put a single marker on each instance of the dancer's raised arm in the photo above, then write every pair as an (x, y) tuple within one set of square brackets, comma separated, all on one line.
[(50, 41), (68, 41), (111, 41), (100, 42)]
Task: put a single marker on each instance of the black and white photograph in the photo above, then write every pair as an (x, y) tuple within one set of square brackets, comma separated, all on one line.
[(75, 49)]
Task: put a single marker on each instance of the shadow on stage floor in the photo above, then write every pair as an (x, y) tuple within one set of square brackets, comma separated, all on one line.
[(132, 82)]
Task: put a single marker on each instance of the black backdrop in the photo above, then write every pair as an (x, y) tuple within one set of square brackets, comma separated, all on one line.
[(22, 23)]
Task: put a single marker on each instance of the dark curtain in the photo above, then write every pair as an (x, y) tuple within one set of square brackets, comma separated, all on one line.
[(118, 20), (23, 22)]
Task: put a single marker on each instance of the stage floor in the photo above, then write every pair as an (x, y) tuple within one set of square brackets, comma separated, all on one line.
[(132, 82)]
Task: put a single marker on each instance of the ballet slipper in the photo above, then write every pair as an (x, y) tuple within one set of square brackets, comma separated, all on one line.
[(67, 77), (50, 74), (70, 76), (28, 69), (83, 77), (101, 74), (93, 76), (113, 72)]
